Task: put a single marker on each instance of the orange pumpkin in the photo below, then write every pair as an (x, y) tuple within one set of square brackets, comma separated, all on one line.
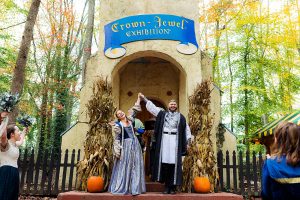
[(201, 185), (95, 184)]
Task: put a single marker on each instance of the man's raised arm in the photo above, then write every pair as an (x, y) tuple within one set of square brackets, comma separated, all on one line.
[(153, 109)]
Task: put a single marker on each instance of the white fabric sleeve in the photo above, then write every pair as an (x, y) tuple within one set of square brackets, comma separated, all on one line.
[(135, 109), (117, 130), (188, 133), (117, 142), (153, 109)]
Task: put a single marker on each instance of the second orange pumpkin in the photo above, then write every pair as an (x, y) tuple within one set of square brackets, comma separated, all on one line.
[(201, 185), (95, 184)]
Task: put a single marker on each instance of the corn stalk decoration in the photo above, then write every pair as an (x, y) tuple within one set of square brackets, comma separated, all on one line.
[(200, 160), (98, 158)]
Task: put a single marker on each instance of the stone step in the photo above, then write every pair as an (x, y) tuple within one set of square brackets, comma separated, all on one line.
[(74, 195), (154, 187)]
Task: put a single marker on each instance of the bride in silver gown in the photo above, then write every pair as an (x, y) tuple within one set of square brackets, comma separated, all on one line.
[(128, 172)]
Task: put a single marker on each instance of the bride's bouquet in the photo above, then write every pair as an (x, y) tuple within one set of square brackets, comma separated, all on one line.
[(25, 120)]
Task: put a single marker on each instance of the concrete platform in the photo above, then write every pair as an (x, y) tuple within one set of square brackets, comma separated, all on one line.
[(74, 195)]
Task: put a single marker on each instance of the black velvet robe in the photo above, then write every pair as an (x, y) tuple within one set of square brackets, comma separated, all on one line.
[(181, 150)]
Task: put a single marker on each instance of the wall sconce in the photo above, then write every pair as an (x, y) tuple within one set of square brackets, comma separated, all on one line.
[(129, 93), (169, 93)]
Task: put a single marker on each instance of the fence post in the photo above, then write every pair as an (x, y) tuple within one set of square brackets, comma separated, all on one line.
[(37, 171), (260, 162), (248, 175), (241, 173), (29, 177), (71, 170), (254, 172), (44, 171), (221, 170), (227, 170), (234, 172), (65, 164), (78, 159), (23, 171), (51, 168), (56, 190)]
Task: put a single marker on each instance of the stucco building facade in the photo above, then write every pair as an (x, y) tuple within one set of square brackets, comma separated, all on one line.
[(154, 67)]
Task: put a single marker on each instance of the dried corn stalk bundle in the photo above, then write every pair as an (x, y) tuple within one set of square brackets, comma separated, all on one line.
[(200, 160), (98, 158)]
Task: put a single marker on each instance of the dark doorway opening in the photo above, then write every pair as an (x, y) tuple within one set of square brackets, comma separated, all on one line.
[(148, 120), (145, 116)]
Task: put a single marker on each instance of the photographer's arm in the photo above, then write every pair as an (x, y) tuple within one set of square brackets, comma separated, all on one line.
[(3, 133), (23, 135)]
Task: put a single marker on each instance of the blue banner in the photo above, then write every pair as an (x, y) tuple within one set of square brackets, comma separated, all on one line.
[(149, 27)]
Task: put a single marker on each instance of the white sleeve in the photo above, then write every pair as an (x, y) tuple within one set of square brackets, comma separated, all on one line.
[(188, 133), (153, 109)]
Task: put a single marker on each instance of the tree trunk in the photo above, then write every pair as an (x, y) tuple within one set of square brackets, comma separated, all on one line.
[(246, 91), (215, 62), (231, 82), (19, 71), (88, 38), (43, 122), (298, 12)]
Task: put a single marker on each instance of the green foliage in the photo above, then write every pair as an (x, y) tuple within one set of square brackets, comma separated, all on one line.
[(7, 58), (255, 51), (53, 66), (258, 45), (243, 147), (57, 56), (220, 136)]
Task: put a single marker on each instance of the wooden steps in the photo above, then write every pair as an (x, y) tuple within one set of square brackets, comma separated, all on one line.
[(74, 195)]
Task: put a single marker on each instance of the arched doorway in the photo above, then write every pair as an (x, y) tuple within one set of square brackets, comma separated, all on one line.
[(159, 77), (156, 78)]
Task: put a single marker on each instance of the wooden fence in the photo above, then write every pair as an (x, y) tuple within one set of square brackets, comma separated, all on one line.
[(240, 174), (47, 173), (50, 173)]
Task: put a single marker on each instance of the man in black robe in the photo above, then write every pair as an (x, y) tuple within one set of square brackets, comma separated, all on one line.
[(173, 136)]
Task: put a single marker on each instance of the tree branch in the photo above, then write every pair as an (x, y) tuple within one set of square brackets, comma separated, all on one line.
[(1, 29)]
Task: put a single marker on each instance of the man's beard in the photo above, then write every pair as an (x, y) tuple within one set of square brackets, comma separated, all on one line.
[(173, 110)]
